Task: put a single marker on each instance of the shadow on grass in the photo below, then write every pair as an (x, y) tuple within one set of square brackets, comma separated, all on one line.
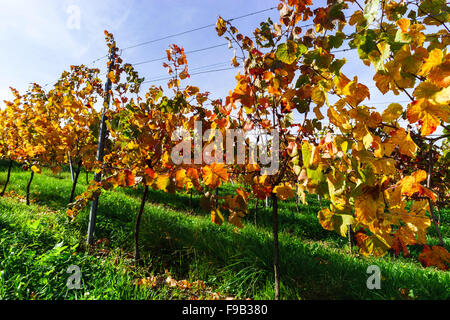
[(242, 261), (308, 271)]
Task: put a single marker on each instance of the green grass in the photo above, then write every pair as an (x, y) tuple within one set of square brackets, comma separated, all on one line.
[(36, 249), (37, 245)]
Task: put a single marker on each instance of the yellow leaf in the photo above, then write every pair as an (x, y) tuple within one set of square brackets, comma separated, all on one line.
[(434, 59), (408, 147), (112, 76), (315, 158), (191, 90), (411, 185), (319, 115), (162, 182), (404, 141), (393, 112), (426, 90), (234, 62), (361, 133), (429, 113), (216, 217), (124, 178), (318, 96), (184, 74), (336, 118), (221, 26), (325, 216), (132, 145), (36, 169), (356, 92), (367, 206), (284, 192), (443, 96), (371, 245), (357, 17), (235, 219), (382, 82), (417, 221), (165, 158)]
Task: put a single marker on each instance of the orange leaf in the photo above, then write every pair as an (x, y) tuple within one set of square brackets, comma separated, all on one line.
[(180, 178), (411, 185), (112, 76), (437, 256), (192, 173), (215, 174), (404, 24), (429, 114), (149, 176)]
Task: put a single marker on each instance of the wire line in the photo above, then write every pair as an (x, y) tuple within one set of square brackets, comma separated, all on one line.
[(193, 74), (194, 30)]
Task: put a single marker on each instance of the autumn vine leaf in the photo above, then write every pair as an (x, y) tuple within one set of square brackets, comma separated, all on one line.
[(284, 192), (215, 174), (436, 257), (411, 185), (216, 217)]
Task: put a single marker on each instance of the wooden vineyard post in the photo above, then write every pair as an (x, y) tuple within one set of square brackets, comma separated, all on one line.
[(71, 166), (276, 251), (350, 238), (100, 151), (137, 255)]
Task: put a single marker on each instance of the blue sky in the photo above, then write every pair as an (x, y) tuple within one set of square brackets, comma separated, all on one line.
[(38, 43)]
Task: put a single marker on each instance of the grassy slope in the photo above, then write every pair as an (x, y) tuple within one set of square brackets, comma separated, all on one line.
[(314, 264)]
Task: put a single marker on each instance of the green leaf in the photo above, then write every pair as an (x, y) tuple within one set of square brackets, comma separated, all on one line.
[(287, 52), (336, 40), (302, 105), (316, 175), (337, 65), (302, 80), (367, 43), (432, 7), (301, 50)]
